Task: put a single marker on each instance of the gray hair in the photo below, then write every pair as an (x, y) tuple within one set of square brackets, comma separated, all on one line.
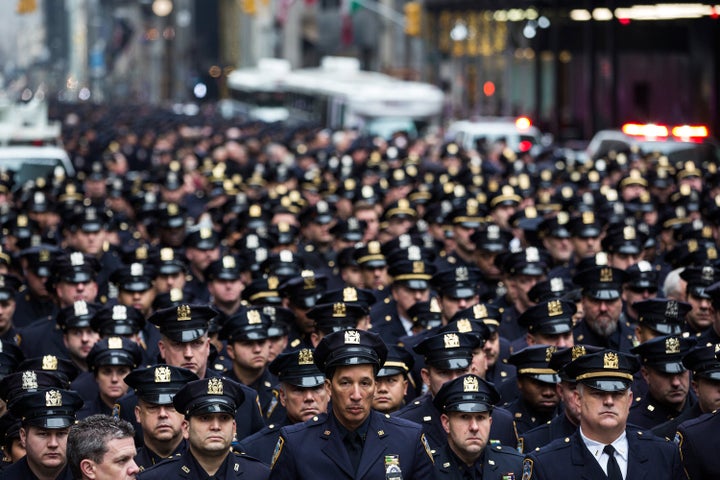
[(89, 437)]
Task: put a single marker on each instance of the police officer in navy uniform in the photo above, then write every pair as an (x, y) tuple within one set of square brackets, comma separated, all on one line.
[(564, 424), (248, 346), (602, 325), (302, 394), (162, 425), (10, 445), (466, 404), (695, 437), (184, 343), (209, 406), (700, 279), (604, 446), (35, 302), (46, 416), (9, 285), (447, 356), (667, 379), (352, 441), (202, 247)]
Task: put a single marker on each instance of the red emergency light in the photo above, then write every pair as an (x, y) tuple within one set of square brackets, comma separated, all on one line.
[(645, 130)]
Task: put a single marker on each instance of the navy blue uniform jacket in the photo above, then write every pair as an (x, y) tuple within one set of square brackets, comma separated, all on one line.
[(498, 462), (236, 466), (314, 450)]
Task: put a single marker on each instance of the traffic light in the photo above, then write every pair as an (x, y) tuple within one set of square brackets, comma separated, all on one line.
[(26, 6), (413, 18), (249, 7)]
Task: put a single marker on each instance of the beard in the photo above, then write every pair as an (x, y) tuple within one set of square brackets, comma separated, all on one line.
[(603, 328)]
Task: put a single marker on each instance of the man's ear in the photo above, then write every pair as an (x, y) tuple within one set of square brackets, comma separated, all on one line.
[(87, 467)]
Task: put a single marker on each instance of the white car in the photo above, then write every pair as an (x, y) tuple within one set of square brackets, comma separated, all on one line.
[(29, 163), (518, 133)]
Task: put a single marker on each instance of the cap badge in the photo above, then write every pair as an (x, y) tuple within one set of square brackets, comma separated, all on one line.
[(115, 343), (305, 357), (629, 233), (712, 253), (435, 305), (588, 218), (273, 282), (215, 386), (577, 352), (44, 255), (611, 361), (462, 274), (176, 295), (172, 209), (451, 340), (49, 362), (183, 313), (708, 274), (472, 207), (557, 284), (255, 211), (606, 275), (141, 253), (671, 310), (253, 317), (471, 384), (532, 255), (601, 258), (554, 308), (29, 380), (464, 325), (339, 310), (672, 345), (373, 248), (350, 294), (80, 308), (137, 270), (352, 337), (77, 259), (418, 266), (167, 254), (480, 311), (549, 351), (413, 253), (53, 398), (228, 262), (162, 374), (308, 277), (252, 241)]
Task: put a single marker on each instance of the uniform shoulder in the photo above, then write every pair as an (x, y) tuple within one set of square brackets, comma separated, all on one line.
[(412, 408), (244, 457), (170, 464), (505, 450), (267, 431), (699, 422), (400, 422), (315, 422), (551, 448), (645, 435)]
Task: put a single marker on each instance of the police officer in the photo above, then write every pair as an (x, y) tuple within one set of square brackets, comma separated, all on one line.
[(226, 281), (699, 278), (604, 447), (10, 445), (129, 322), (393, 380), (209, 406), (466, 403), (547, 323), (353, 440), (46, 416), (35, 302), (457, 289), (9, 285), (667, 379), (302, 394), (162, 425), (202, 247), (300, 293)]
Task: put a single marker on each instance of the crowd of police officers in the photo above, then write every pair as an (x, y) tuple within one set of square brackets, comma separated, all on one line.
[(281, 302)]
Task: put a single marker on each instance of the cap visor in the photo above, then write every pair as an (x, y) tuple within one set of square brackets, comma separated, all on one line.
[(545, 378), (459, 292), (450, 363), (607, 384), (668, 367), (184, 336), (469, 407), (305, 381), (603, 294)]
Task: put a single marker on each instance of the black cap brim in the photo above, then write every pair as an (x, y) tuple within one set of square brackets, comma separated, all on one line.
[(51, 422), (544, 377), (607, 384), (602, 293), (555, 328), (664, 328), (184, 336), (459, 292), (673, 368), (450, 363), (304, 381), (468, 407)]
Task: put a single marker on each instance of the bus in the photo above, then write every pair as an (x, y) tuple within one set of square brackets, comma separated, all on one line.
[(338, 95), (257, 93)]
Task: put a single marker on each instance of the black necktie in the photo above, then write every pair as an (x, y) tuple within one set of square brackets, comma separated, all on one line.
[(353, 444), (613, 469)]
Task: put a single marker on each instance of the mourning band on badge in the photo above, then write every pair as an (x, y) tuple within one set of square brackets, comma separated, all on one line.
[(278, 450), (428, 450), (527, 469), (392, 467)]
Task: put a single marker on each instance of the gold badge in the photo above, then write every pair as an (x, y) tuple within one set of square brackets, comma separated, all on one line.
[(228, 262), (606, 275), (29, 380), (305, 357), (373, 248), (183, 313), (549, 352), (253, 317), (215, 386), (53, 398), (173, 209), (672, 345), (44, 256), (167, 255), (350, 294), (451, 340), (464, 325), (480, 310), (115, 343), (472, 207), (352, 337), (162, 374), (339, 310), (471, 384), (611, 361), (308, 277), (554, 308), (176, 295), (49, 362), (205, 233), (577, 352), (273, 282), (418, 267)]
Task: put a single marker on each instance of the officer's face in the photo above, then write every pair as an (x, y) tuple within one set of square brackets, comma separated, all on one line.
[(560, 340), (486, 262), (374, 278), (110, 382), (479, 364), (88, 242), (435, 377), (352, 275), (200, 259), (468, 433), (702, 314), (36, 283), (191, 355), (390, 393), (565, 393), (69, 293), (492, 348), (249, 354), (141, 300), (7, 310), (462, 238), (602, 412), (45, 447), (538, 395), (407, 297), (708, 393), (670, 389), (585, 246), (352, 390), (519, 285), (561, 249), (631, 295), (79, 341), (117, 463), (165, 283), (623, 260), (161, 423), (225, 291), (303, 403), (210, 434), (602, 315)]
